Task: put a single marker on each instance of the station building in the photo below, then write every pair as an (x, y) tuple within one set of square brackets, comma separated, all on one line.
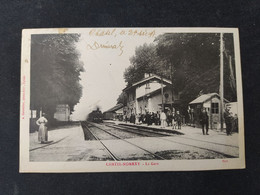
[(151, 94), (62, 112), (211, 102)]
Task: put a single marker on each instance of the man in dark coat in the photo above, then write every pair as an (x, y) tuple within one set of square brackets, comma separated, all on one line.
[(178, 118), (169, 118), (204, 120), (228, 120), (148, 118)]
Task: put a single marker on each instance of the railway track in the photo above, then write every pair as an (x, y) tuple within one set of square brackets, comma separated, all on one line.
[(155, 134), (89, 126), (143, 132), (114, 157)]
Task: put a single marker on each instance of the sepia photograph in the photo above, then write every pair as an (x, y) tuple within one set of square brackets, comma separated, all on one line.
[(131, 99)]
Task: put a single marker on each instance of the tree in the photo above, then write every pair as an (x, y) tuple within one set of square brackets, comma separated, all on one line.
[(188, 54), (194, 60), (55, 71), (145, 60)]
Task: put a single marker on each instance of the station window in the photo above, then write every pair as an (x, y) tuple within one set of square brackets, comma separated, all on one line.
[(214, 108), (33, 114), (147, 85)]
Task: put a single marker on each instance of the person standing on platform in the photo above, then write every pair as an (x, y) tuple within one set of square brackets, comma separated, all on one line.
[(178, 119), (132, 118), (141, 118), (152, 118), (169, 118), (43, 132), (126, 119), (163, 119), (158, 120), (192, 118), (148, 118), (137, 119), (173, 121), (204, 120), (228, 120)]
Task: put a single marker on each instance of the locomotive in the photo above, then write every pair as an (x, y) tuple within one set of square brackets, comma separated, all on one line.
[(95, 116)]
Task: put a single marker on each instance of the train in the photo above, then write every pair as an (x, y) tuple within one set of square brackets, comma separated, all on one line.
[(95, 116)]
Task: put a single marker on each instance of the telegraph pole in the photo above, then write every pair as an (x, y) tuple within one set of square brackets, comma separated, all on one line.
[(162, 92), (172, 86), (221, 87)]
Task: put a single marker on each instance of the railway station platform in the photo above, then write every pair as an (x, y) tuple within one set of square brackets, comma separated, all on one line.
[(67, 143), (217, 136), (63, 142)]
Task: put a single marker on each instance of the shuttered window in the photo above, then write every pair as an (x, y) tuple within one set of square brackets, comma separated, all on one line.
[(214, 108)]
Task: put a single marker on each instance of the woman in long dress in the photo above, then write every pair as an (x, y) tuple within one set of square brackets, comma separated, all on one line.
[(43, 132)]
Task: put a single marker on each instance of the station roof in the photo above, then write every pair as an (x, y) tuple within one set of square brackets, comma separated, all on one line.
[(152, 77), (205, 97), (115, 108), (150, 94)]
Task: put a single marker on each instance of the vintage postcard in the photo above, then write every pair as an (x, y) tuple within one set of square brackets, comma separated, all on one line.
[(131, 99)]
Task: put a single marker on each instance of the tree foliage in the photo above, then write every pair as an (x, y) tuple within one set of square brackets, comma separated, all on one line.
[(55, 71), (145, 60)]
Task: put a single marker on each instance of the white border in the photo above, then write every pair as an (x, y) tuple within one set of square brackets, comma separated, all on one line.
[(89, 166)]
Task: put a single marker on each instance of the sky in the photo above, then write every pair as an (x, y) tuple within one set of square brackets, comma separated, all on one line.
[(103, 79)]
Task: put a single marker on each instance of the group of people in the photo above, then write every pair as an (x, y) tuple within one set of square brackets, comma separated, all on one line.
[(149, 118), (171, 119), (230, 121), (175, 120), (162, 119)]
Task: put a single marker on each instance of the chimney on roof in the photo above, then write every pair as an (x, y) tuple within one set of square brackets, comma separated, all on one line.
[(146, 75)]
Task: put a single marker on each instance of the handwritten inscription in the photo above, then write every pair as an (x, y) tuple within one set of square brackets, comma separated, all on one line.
[(116, 33), (126, 32), (143, 33), (100, 32), (107, 45)]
